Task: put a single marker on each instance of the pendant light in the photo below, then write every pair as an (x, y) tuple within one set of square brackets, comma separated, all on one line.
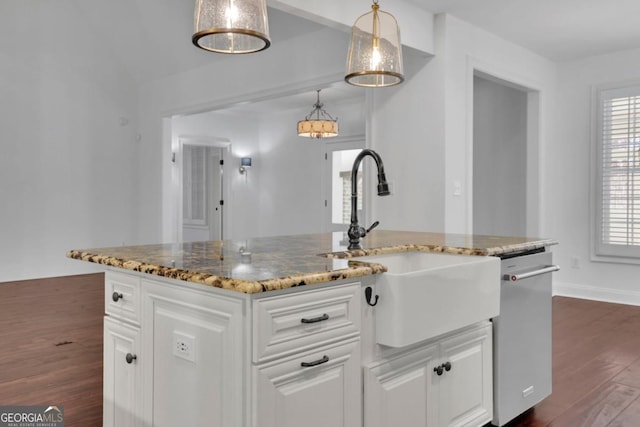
[(231, 26), (325, 127), (375, 53)]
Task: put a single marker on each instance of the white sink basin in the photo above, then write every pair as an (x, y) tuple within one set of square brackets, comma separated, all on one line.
[(425, 294)]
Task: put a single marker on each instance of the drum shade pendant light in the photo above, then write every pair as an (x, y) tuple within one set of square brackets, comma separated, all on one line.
[(231, 26), (322, 126), (375, 53)]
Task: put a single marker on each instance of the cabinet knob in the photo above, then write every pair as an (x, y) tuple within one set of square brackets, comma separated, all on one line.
[(131, 357), (438, 370), (116, 296), (447, 366)]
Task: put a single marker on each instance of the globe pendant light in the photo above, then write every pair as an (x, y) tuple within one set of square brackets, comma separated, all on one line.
[(325, 127), (375, 53), (231, 26)]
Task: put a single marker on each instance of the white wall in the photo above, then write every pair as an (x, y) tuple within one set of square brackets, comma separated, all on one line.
[(406, 128), (69, 152), (283, 192), (465, 49), (294, 176), (242, 190), (244, 77), (568, 168), (499, 159), (423, 129)]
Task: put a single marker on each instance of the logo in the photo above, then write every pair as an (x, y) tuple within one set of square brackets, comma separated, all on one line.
[(31, 416)]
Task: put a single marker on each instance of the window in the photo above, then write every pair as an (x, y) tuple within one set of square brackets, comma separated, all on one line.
[(618, 173)]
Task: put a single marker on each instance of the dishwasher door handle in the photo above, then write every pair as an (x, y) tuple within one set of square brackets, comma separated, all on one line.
[(519, 276)]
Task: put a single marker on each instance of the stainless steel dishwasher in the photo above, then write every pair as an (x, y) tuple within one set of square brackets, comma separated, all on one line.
[(522, 335)]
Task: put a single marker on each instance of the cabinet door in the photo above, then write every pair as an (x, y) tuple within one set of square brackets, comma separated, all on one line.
[(321, 388), (401, 390), (466, 390), (122, 376), (197, 375)]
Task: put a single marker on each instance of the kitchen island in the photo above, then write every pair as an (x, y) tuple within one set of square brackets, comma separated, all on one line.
[(276, 331), (272, 263)]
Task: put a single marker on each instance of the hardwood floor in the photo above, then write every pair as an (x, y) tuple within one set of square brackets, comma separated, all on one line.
[(51, 354), (596, 367), (51, 345)]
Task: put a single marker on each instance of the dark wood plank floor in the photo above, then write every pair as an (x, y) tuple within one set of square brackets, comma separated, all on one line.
[(51, 354), (51, 345), (596, 367)]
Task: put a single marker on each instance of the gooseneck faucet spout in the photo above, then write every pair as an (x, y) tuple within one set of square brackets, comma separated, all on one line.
[(355, 231)]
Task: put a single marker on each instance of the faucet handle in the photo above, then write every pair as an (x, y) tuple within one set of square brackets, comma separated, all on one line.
[(374, 225), (356, 233)]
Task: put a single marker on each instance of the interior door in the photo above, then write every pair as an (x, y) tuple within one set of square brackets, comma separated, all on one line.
[(216, 200), (202, 190)]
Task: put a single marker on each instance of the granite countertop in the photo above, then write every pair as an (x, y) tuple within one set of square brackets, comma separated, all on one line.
[(269, 263)]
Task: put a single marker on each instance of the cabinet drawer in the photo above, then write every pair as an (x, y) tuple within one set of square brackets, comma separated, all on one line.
[(297, 322), (320, 388), (122, 296)]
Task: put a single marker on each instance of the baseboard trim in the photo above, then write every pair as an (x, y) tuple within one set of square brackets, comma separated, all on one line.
[(597, 294)]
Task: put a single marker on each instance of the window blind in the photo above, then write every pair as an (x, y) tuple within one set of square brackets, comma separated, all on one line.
[(194, 185), (619, 173)]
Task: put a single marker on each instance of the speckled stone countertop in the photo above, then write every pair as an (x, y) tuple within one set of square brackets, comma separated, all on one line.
[(269, 263)]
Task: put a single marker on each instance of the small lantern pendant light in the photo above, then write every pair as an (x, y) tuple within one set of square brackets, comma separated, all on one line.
[(231, 26), (325, 127), (375, 53)]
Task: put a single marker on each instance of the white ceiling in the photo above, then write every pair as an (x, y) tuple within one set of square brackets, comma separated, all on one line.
[(153, 38), (560, 30)]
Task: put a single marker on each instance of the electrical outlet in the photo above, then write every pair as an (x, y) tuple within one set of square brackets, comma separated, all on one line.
[(184, 346)]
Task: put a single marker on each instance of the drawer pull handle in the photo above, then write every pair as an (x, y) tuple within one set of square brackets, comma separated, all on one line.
[(116, 296), (315, 319), (324, 359), (130, 358)]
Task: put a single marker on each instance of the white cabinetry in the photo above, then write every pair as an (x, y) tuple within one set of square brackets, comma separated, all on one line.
[(319, 388), (444, 382), (307, 366), (197, 339), (182, 355), (122, 383)]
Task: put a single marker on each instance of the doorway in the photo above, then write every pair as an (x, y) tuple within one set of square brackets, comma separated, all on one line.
[(201, 189), (339, 161), (504, 165)]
